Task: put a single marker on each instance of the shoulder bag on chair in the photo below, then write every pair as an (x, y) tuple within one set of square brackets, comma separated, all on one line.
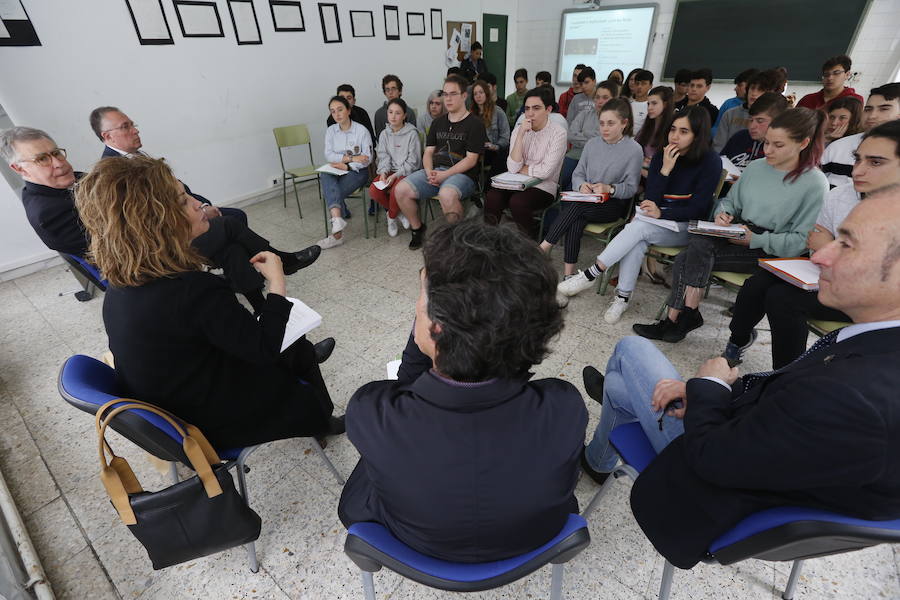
[(196, 517)]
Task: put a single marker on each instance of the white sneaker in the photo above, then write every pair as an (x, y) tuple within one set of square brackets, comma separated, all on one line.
[(575, 284), (403, 220), (618, 306), (330, 242), (337, 225), (562, 300), (393, 227)]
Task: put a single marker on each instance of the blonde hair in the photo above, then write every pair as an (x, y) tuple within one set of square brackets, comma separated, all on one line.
[(132, 211)]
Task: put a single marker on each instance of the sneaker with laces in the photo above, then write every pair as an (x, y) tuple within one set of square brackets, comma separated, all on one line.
[(417, 237), (337, 224), (403, 220), (575, 284), (562, 300), (734, 354), (330, 242), (618, 306), (393, 227), (654, 331)]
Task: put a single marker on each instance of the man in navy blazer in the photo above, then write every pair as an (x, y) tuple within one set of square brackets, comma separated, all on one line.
[(821, 432), (464, 458)]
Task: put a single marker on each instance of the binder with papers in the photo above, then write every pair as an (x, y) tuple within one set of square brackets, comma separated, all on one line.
[(732, 232), (800, 272), (579, 197), (514, 181)]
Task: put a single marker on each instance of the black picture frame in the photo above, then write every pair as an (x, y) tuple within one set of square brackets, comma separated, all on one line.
[(208, 3), (151, 41), (237, 34), (362, 34), (415, 23), (290, 3), (388, 34), (327, 9), (439, 33)]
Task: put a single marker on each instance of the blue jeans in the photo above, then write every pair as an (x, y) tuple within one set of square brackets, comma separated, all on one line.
[(630, 245), (631, 375), (337, 187), (565, 173), (462, 184)]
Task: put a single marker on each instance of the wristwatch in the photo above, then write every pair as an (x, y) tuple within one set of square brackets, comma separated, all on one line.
[(612, 190)]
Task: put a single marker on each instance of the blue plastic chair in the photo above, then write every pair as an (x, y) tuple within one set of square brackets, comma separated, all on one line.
[(371, 546), (788, 533), (87, 384), (86, 274)]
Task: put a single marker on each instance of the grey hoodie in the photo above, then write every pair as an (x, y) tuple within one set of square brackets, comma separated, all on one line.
[(399, 152)]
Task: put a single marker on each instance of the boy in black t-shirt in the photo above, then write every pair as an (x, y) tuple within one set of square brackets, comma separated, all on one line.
[(454, 143)]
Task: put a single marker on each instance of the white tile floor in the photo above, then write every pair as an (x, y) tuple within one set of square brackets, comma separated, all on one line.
[(365, 291)]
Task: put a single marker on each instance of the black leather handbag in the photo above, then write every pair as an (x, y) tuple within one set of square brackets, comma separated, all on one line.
[(196, 517)]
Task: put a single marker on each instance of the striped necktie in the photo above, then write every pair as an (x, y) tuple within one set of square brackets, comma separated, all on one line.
[(751, 379)]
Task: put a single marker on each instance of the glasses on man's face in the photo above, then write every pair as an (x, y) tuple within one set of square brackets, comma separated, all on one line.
[(127, 126), (45, 159), (835, 73)]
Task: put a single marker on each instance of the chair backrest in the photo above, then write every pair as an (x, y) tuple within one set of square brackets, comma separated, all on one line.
[(87, 384), (291, 135), (633, 446), (85, 268), (720, 185)]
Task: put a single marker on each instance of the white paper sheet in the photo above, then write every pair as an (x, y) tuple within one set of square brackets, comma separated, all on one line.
[(301, 321), (329, 169), (198, 19), (244, 22), (733, 170), (151, 22), (667, 223), (494, 35), (12, 10), (380, 184), (393, 369), (287, 16)]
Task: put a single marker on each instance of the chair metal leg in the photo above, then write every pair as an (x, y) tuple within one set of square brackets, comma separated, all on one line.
[(556, 582), (173, 472), (296, 197), (328, 462), (283, 190), (242, 487), (368, 586), (595, 501), (365, 208), (791, 586), (665, 586), (661, 311)]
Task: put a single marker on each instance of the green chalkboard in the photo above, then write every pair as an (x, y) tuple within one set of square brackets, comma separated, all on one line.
[(729, 36)]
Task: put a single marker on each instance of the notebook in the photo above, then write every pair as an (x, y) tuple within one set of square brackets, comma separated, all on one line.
[(579, 197), (514, 181), (801, 272), (329, 169), (666, 223), (733, 170), (734, 232)]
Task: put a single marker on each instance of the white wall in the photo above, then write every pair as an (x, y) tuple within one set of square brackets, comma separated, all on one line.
[(875, 55), (206, 104)]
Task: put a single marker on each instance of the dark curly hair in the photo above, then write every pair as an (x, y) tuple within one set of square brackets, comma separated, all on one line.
[(493, 293)]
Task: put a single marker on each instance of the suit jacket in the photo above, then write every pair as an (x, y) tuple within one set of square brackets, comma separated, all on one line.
[(466, 472), (53, 216), (109, 152), (823, 432)]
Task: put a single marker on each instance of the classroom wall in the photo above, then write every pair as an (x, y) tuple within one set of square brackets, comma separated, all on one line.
[(875, 55), (206, 104)]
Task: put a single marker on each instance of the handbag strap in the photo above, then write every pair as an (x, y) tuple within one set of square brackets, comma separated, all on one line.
[(118, 477)]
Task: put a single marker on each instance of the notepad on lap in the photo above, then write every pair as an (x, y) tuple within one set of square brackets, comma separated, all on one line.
[(380, 184), (801, 272), (579, 197), (709, 228), (301, 321), (732, 169), (666, 223), (330, 169), (514, 181)]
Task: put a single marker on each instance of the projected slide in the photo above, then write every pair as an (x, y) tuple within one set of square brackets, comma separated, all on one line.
[(605, 39)]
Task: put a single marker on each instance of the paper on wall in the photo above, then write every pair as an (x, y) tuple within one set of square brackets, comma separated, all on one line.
[(466, 41), (494, 35)]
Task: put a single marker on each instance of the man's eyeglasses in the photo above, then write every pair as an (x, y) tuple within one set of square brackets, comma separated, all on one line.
[(123, 127), (45, 159), (835, 73)]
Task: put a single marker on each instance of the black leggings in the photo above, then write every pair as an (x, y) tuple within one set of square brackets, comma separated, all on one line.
[(575, 216)]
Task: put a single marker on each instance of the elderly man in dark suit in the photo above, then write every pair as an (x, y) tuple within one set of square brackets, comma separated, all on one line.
[(821, 432)]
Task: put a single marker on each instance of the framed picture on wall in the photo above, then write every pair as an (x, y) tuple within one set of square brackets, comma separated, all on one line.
[(331, 23), (437, 23), (150, 22), (362, 23), (244, 21), (415, 23), (199, 18), (391, 22), (287, 15)]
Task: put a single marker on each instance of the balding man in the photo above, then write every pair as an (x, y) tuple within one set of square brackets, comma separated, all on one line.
[(822, 432)]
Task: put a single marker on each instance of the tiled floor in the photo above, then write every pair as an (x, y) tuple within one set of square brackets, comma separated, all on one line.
[(365, 291)]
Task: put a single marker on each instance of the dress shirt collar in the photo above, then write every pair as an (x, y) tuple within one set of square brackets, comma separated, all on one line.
[(858, 328)]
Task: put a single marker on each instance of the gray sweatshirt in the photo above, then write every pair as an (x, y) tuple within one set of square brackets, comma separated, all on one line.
[(498, 132), (733, 120), (399, 152), (583, 127), (616, 164)]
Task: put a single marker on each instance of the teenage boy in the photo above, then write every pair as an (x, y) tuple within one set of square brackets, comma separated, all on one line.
[(357, 113), (566, 97), (701, 80), (514, 101), (735, 119), (587, 81), (491, 80), (740, 94), (682, 82), (392, 88), (542, 78), (882, 106), (835, 73), (643, 81), (749, 144), (452, 148), (475, 61)]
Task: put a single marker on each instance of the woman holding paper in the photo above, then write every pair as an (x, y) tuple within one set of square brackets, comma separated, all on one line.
[(399, 153), (681, 181), (179, 336), (348, 150), (774, 204)]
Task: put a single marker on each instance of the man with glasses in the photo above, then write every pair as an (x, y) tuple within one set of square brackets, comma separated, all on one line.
[(835, 73), (392, 88)]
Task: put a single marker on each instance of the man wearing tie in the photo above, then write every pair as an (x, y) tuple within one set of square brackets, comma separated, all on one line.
[(822, 432)]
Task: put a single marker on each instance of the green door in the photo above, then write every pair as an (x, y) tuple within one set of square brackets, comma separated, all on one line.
[(493, 38)]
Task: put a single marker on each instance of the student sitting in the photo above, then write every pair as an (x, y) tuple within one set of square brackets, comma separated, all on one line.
[(787, 306), (680, 186), (640, 88), (180, 338), (465, 457), (399, 153), (392, 88), (348, 147), (735, 119), (584, 127), (495, 125), (514, 101), (357, 113), (740, 95), (491, 80), (566, 97), (748, 144), (584, 100), (776, 201), (610, 164), (882, 106), (537, 150), (617, 75), (844, 118), (434, 108), (701, 80), (450, 163), (542, 78), (655, 133), (835, 73), (628, 88), (475, 61), (682, 82)]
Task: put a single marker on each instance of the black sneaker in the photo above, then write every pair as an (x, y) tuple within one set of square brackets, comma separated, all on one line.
[(418, 236), (689, 320), (597, 476), (734, 354), (656, 331)]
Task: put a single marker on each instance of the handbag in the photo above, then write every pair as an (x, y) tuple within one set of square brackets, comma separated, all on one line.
[(195, 517)]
